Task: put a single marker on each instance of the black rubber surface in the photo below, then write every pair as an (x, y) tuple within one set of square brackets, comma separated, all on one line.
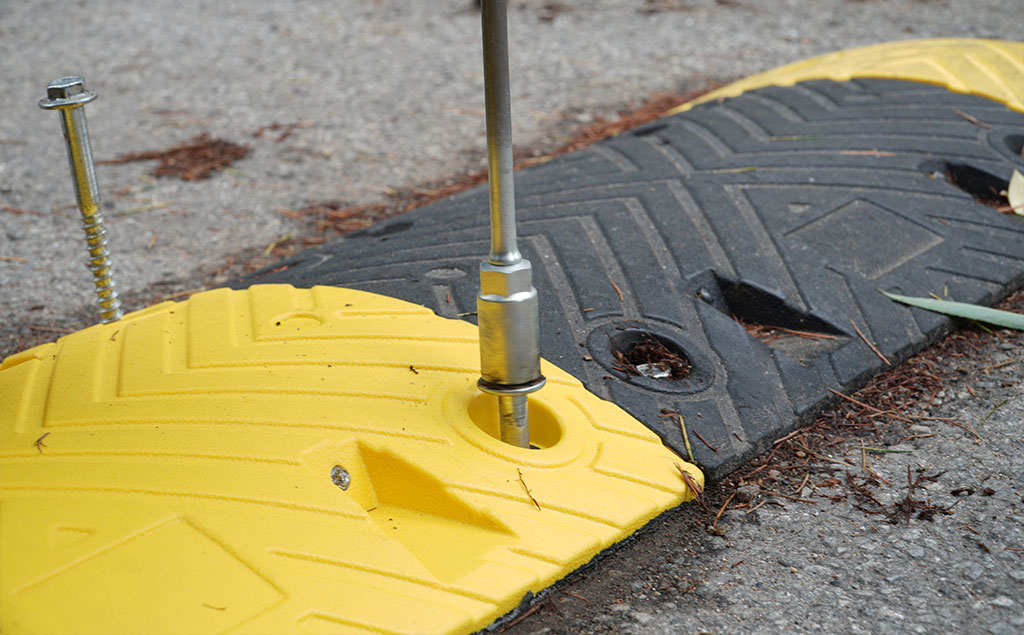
[(784, 206)]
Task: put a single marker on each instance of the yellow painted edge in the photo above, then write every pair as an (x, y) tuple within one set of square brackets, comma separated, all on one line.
[(989, 68), (179, 464)]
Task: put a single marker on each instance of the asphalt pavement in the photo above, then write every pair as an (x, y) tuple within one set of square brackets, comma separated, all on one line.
[(387, 96)]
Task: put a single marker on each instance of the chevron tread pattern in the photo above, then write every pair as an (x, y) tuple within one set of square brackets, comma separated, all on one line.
[(815, 195), (175, 472)]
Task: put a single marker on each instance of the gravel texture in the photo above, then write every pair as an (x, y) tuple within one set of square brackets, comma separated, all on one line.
[(390, 92), (829, 566), (390, 96)]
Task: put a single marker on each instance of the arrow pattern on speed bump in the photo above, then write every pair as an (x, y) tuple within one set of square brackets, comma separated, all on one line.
[(784, 207)]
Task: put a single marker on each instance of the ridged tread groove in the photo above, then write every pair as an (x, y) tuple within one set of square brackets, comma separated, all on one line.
[(819, 194)]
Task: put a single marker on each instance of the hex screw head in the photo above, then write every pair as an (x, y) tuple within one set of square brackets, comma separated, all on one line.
[(66, 92)]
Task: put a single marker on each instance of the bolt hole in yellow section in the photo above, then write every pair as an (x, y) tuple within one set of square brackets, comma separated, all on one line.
[(545, 428), (556, 436)]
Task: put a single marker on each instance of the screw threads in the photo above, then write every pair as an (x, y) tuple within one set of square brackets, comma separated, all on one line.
[(99, 264)]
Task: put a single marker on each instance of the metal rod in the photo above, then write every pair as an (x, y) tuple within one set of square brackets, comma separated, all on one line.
[(498, 113), (507, 308), (514, 421), (69, 96)]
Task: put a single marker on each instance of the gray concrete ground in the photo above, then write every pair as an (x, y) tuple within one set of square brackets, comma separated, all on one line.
[(816, 556), (390, 96), (391, 92)]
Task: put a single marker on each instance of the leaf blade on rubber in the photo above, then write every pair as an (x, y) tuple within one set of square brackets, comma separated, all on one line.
[(998, 317)]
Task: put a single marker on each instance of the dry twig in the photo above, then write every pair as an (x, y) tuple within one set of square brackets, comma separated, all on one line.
[(527, 489), (873, 348), (972, 119)]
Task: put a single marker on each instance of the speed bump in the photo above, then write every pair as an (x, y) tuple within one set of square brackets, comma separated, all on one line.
[(787, 206), (281, 460), (989, 68)]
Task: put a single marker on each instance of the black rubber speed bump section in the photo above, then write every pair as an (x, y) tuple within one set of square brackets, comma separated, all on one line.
[(706, 239)]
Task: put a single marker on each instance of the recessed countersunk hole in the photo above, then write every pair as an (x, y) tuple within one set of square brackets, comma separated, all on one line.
[(545, 430), (650, 355), (644, 354)]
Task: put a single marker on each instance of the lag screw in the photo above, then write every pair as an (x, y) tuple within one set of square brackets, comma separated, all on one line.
[(68, 96)]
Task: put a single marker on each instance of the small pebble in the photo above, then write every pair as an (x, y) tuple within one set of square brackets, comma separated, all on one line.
[(747, 493), (1003, 601)]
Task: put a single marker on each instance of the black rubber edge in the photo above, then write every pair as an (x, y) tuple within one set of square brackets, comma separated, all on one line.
[(788, 206)]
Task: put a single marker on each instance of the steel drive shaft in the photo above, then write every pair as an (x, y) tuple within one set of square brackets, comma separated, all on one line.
[(507, 309)]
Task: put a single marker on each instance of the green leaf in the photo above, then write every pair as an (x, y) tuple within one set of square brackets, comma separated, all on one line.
[(1004, 319)]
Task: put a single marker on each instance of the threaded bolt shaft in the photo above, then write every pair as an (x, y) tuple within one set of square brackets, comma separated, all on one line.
[(101, 268), (68, 96)]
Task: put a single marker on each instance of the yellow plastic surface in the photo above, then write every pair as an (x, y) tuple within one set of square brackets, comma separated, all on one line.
[(990, 68), (172, 472)]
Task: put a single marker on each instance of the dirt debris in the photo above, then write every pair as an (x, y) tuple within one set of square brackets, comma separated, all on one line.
[(652, 7), (19, 211), (335, 218), (40, 443), (649, 357), (197, 159), (286, 129), (887, 411), (769, 333), (908, 506)]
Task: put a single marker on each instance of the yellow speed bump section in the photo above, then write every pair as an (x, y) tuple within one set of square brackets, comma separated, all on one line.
[(990, 68), (279, 460)]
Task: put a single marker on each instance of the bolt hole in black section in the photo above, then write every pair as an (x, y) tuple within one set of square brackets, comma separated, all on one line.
[(650, 355), (644, 354)]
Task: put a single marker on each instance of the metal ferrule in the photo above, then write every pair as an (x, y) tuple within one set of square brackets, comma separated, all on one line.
[(507, 313)]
